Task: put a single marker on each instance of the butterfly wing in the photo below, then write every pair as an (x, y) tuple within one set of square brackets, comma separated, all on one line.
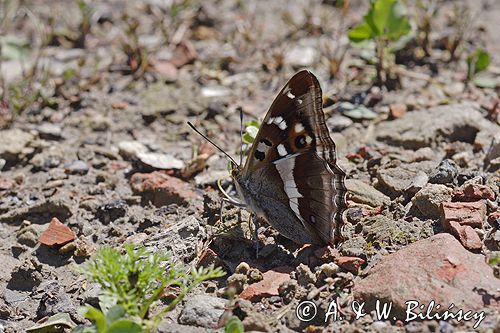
[(294, 146)]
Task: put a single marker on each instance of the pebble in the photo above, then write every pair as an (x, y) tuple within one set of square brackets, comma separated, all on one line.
[(445, 173), (49, 131), (305, 276), (429, 199), (78, 167), (203, 310), (302, 56)]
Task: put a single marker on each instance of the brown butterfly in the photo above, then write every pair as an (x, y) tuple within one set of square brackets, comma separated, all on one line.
[(290, 177)]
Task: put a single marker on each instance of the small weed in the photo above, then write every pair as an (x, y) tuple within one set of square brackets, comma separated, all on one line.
[(132, 283), (386, 22), (476, 63)]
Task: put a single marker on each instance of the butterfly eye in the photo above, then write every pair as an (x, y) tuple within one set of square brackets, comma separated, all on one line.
[(300, 141)]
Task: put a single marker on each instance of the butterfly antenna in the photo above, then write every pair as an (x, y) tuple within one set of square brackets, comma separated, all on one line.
[(213, 144), (241, 135)]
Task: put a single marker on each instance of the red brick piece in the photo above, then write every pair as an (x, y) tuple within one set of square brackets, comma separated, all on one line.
[(268, 287), (161, 189), (466, 235), (465, 213), (56, 234), (351, 264), (474, 192)]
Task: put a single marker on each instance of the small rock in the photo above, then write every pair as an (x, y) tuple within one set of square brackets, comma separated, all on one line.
[(49, 131), (14, 145), (305, 276), (329, 269), (56, 234), (395, 181), (301, 56), (445, 173), (397, 110), (429, 199), (237, 282), (466, 235), (474, 192), (256, 322), (28, 233), (184, 54), (203, 310), (350, 264), (242, 268), (167, 70), (417, 183), (437, 268), (338, 122), (111, 211), (361, 192), (268, 287), (130, 149), (254, 275), (494, 220), (54, 300), (465, 213), (78, 167), (287, 290), (160, 161), (6, 183), (161, 189), (491, 159), (26, 276)]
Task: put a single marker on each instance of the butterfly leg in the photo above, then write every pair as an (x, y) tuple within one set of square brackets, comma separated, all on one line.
[(255, 222)]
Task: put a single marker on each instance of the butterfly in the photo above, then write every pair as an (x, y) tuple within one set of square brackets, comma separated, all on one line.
[(291, 178)]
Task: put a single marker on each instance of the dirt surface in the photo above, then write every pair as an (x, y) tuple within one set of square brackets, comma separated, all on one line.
[(96, 137)]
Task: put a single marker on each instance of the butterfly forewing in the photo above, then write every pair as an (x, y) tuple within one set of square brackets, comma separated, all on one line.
[(290, 176)]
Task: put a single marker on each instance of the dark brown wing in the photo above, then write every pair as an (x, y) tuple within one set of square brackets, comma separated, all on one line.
[(295, 139)]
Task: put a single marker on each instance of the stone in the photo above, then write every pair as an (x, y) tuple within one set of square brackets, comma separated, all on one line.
[(49, 131), (465, 213), (429, 199), (26, 276), (203, 311), (287, 290), (169, 327), (167, 70), (491, 159), (301, 56), (363, 193), (397, 110), (160, 161), (474, 192), (394, 181), (494, 220), (438, 125), (305, 276), (54, 300), (130, 149), (161, 189), (28, 233), (6, 183), (445, 173), (77, 167), (181, 239), (184, 54), (418, 182), (237, 282), (56, 234), (268, 287), (338, 122), (350, 264), (14, 145), (437, 268), (466, 235)]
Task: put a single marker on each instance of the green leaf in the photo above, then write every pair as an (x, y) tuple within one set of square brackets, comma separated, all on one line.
[(477, 62), (482, 81), (114, 313), (360, 33), (124, 326), (251, 130), (14, 48), (379, 14), (234, 325), (97, 317), (53, 324)]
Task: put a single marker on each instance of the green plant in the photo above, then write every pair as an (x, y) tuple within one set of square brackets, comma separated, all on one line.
[(386, 22), (426, 10), (132, 283), (476, 63), (234, 325)]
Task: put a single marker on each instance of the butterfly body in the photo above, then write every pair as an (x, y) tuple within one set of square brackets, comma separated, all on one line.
[(290, 177)]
